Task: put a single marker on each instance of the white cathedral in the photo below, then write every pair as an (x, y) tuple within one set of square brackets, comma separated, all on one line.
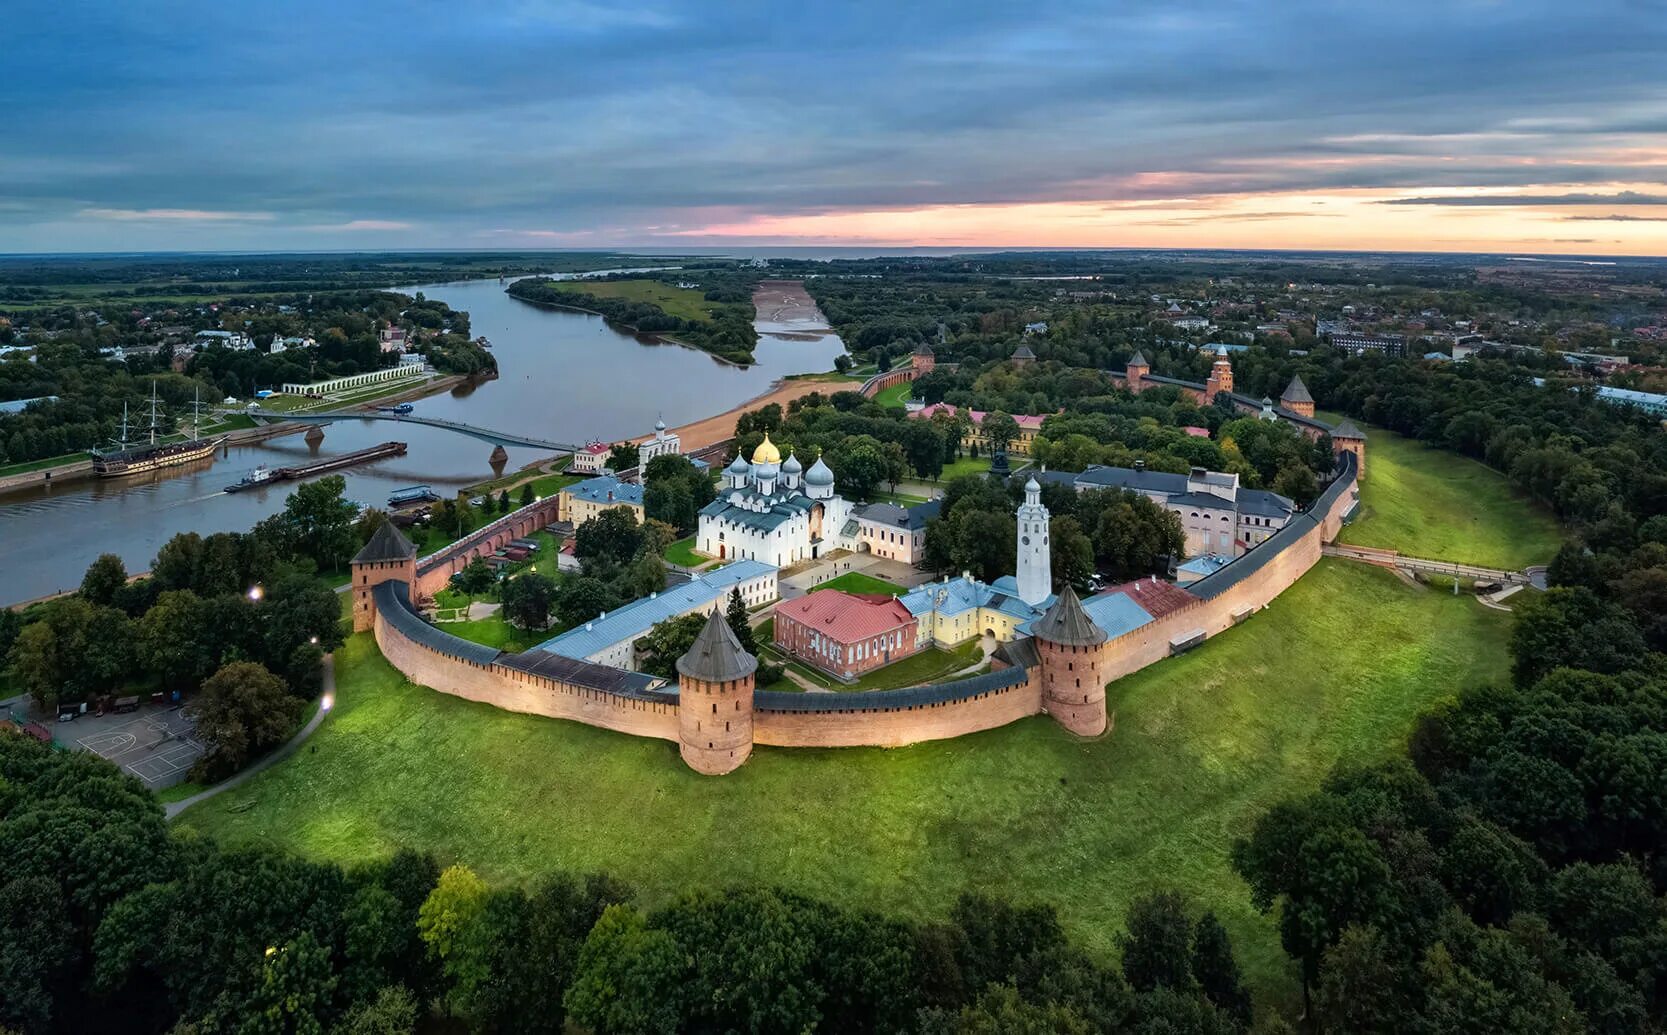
[(776, 512), (781, 514)]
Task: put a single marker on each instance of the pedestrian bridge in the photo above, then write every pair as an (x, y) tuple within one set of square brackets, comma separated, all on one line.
[(1394, 559), (498, 438)]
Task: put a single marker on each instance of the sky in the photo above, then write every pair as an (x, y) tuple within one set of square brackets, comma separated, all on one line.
[(1452, 125)]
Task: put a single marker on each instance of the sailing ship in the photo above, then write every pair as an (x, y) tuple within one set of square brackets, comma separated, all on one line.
[(153, 456)]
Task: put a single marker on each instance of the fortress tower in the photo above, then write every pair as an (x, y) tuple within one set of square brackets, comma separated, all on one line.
[(923, 359), (714, 709), (1072, 649), (1296, 398), (1346, 438), (1035, 566), (1135, 371), (388, 555), (1221, 376)]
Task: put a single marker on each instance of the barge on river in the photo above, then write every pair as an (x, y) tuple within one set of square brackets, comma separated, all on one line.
[(263, 476)]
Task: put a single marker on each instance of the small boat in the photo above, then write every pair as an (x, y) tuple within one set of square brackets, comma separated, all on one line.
[(413, 494), (402, 408), (259, 476)]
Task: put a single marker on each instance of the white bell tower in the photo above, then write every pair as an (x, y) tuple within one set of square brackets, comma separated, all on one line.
[(1035, 567)]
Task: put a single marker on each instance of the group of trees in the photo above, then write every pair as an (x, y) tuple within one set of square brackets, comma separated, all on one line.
[(239, 620), (109, 923), (674, 490), (728, 332), (1123, 534), (658, 650), (619, 561), (865, 444)]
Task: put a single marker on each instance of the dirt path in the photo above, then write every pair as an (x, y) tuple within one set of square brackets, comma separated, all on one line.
[(712, 430)]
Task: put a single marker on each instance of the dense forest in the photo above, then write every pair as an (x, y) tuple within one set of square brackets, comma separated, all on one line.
[(728, 333)]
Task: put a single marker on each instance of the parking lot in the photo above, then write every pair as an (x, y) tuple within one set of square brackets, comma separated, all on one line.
[(155, 744)]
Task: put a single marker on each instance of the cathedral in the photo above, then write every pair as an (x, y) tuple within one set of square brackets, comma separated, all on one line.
[(776, 512)]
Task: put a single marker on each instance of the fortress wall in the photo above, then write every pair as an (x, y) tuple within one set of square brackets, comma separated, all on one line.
[(436, 570), (517, 691), (1150, 643), (880, 382), (896, 727)]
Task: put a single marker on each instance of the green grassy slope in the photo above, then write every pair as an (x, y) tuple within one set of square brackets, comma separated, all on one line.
[(1334, 670), (1432, 503)]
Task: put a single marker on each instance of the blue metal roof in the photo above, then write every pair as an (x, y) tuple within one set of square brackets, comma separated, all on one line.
[(19, 405), (597, 490), (1115, 612), (1208, 564), (640, 615)]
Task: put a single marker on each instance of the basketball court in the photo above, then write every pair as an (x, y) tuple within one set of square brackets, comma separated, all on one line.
[(158, 747)]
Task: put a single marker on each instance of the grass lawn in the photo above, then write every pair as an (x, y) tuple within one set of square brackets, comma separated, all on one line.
[(928, 666), (548, 485), (36, 465), (963, 466), (683, 552), (902, 499), (1433, 503), (1334, 671), (857, 582), (495, 632), (684, 302), (896, 395)]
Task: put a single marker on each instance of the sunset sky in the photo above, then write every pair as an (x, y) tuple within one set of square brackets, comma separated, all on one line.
[(1458, 125)]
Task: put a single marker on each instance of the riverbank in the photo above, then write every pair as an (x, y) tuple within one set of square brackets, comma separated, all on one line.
[(657, 337), (78, 469), (710, 431)]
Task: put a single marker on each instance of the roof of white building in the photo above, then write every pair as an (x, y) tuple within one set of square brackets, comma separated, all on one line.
[(639, 616)]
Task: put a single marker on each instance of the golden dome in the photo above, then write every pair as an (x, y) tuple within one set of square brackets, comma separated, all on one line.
[(766, 453)]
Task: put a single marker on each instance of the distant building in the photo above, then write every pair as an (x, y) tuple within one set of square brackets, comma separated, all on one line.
[(584, 500), (1296, 398), (1649, 402), (1022, 355), (19, 405), (392, 339), (893, 532), (285, 344), (237, 341), (591, 459), (1030, 425), (845, 634), (1218, 515), (1378, 344)]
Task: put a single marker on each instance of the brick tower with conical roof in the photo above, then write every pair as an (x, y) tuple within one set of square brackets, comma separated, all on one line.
[(1221, 376), (1297, 399), (714, 708), (1135, 371), (1072, 650), (388, 555)]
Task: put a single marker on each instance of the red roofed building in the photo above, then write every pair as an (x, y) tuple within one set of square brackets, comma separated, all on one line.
[(1029, 426), (1155, 596), (591, 459), (845, 634)]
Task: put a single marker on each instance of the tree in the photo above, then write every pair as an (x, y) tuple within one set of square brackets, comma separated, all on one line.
[(1297, 481), (1572, 627), (527, 600), (999, 429), (105, 577), (173, 639), (476, 577), (38, 949), (392, 1012), (1217, 971), (296, 985), (322, 521), (1070, 552), (859, 464), (1156, 943), (37, 665), (629, 979), (503, 502), (667, 641), (581, 599), (527, 498), (243, 710), (457, 898), (736, 615), (843, 362), (622, 457), (607, 541)]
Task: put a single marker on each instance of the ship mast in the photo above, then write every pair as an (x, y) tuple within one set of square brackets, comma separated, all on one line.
[(153, 414), (196, 411), (124, 424)]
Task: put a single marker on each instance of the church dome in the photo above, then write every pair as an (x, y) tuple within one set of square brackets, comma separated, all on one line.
[(739, 466), (819, 474), (792, 466), (660, 425), (766, 453)]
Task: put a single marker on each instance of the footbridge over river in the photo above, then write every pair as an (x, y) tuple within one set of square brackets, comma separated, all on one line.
[(497, 438)]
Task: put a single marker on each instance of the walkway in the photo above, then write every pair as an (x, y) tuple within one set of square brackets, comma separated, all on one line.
[(325, 700), (1394, 559), (499, 438)]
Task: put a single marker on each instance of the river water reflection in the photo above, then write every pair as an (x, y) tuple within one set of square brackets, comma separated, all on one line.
[(562, 375)]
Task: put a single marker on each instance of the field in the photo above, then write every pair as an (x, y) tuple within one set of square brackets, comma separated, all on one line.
[(857, 582), (1334, 671), (1432, 503), (683, 552), (964, 466), (896, 395), (684, 302), (36, 465)]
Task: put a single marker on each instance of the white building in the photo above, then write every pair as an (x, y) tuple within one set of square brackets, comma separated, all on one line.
[(764, 513), (285, 344), (664, 442), (1218, 515), (237, 341), (591, 459), (1035, 569)]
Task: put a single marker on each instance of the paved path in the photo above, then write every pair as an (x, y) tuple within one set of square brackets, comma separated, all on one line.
[(174, 808)]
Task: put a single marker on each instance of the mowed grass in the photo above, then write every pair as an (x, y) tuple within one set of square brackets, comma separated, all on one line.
[(896, 395), (1334, 671), (1428, 502), (857, 582), (684, 302), (683, 552)]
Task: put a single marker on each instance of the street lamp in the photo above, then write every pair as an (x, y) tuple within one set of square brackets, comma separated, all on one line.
[(255, 593)]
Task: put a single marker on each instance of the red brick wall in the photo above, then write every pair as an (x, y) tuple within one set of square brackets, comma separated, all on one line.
[(715, 724), (436, 570), (897, 726), (519, 692)]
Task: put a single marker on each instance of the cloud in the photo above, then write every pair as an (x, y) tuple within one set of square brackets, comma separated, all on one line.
[(1625, 197), (354, 225), (182, 215), (1615, 218)]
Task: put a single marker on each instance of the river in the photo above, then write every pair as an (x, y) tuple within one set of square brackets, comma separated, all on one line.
[(563, 376)]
